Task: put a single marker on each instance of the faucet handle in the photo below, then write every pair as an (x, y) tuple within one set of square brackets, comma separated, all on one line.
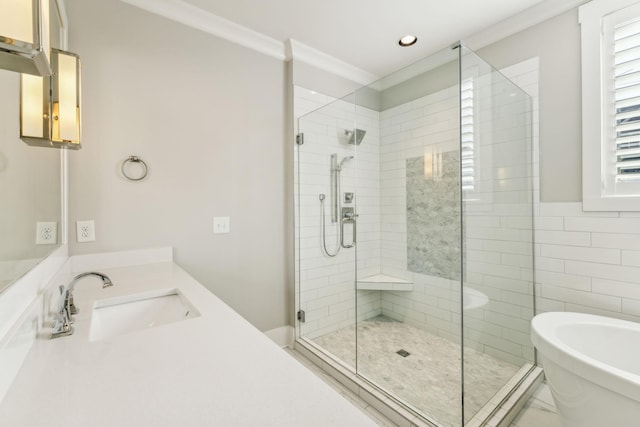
[(62, 303), (70, 305), (61, 326)]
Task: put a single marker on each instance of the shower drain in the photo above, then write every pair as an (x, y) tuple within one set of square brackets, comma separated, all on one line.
[(403, 353)]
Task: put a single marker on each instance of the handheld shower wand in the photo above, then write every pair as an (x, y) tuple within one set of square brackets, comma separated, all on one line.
[(335, 170)]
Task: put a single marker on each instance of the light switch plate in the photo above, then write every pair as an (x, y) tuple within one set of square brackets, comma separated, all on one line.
[(221, 225)]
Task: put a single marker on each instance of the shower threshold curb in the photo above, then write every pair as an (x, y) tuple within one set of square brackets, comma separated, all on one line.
[(403, 416)]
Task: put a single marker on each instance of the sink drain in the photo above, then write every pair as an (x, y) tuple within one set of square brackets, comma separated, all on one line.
[(403, 353)]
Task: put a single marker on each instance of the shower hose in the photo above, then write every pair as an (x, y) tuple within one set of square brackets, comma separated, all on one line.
[(324, 234)]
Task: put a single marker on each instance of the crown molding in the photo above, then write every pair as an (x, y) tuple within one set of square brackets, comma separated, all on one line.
[(200, 19), (521, 21), (314, 57), (195, 17)]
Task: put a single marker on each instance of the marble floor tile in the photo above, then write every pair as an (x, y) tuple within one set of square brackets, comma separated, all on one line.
[(539, 411), (429, 376)]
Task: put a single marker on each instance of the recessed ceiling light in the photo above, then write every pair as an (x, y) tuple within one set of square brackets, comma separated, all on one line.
[(408, 40)]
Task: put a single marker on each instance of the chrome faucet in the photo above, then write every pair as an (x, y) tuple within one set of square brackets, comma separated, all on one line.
[(62, 321), (66, 308), (106, 282)]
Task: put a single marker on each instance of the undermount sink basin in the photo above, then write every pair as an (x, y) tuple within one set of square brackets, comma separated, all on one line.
[(122, 315)]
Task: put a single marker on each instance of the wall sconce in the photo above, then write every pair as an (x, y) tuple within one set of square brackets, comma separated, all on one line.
[(50, 106), (24, 36), (432, 164)]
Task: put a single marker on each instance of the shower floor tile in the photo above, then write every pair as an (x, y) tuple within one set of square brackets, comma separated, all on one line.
[(429, 377)]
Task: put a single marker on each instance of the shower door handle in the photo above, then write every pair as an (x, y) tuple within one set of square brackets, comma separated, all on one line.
[(348, 217)]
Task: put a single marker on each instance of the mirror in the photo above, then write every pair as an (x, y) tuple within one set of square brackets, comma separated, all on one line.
[(30, 184)]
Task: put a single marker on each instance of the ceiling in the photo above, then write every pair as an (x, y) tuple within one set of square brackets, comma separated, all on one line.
[(364, 33)]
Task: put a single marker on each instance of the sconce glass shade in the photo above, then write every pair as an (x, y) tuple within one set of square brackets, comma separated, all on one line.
[(433, 164), (50, 106), (24, 36)]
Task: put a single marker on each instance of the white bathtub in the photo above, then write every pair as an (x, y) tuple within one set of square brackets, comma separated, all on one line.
[(592, 365)]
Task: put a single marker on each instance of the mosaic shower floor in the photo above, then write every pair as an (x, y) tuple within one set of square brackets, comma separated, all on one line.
[(429, 377)]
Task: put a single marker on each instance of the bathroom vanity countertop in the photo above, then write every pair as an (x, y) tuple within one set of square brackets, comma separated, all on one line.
[(211, 370)]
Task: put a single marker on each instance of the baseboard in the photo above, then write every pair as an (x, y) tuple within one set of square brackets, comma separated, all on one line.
[(283, 336)]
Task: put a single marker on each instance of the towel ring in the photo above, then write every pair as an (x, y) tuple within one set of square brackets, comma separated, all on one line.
[(134, 159)]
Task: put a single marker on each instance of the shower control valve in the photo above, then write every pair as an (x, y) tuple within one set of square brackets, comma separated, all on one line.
[(348, 214), (348, 197)]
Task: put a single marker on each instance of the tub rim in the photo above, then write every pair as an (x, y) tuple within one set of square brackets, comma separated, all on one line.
[(545, 339)]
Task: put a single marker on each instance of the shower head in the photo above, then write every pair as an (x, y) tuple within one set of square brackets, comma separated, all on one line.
[(346, 159), (355, 136)]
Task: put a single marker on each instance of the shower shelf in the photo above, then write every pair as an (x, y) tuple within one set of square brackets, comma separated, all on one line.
[(384, 282)]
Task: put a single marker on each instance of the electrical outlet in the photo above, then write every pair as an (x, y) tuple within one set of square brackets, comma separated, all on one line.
[(221, 225), (46, 233), (85, 231)]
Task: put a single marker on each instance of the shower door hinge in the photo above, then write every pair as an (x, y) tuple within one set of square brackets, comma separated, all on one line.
[(301, 316), (300, 138)]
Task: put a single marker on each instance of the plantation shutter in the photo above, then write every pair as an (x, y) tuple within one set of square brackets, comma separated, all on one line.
[(467, 134), (627, 100)]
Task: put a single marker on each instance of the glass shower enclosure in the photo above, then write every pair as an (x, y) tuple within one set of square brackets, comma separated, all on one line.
[(414, 235)]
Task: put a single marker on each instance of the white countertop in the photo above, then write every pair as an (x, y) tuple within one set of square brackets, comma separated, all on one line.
[(212, 370)]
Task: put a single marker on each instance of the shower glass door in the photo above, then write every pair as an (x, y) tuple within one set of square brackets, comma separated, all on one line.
[(326, 226), (497, 206), (414, 259), (409, 255)]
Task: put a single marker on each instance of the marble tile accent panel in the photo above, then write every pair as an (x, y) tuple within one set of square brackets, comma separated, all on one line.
[(433, 217)]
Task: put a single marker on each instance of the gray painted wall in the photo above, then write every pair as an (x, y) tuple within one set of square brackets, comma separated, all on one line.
[(557, 44), (209, 119)]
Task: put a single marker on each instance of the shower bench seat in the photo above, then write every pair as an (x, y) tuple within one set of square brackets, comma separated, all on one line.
[(384, 282)]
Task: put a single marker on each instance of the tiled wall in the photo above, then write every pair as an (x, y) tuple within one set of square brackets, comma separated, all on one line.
[(427, 124), (497, 219), (588, 262), (327, 292), (498, 245), (411, 130), (584, 262)]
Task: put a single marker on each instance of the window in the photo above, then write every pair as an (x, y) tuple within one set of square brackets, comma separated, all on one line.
[(466, 134), (611, 105), (626, 100)]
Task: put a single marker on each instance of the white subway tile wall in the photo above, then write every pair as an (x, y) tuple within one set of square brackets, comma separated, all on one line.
[(498, 224), (327, 290), (588, 261)]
